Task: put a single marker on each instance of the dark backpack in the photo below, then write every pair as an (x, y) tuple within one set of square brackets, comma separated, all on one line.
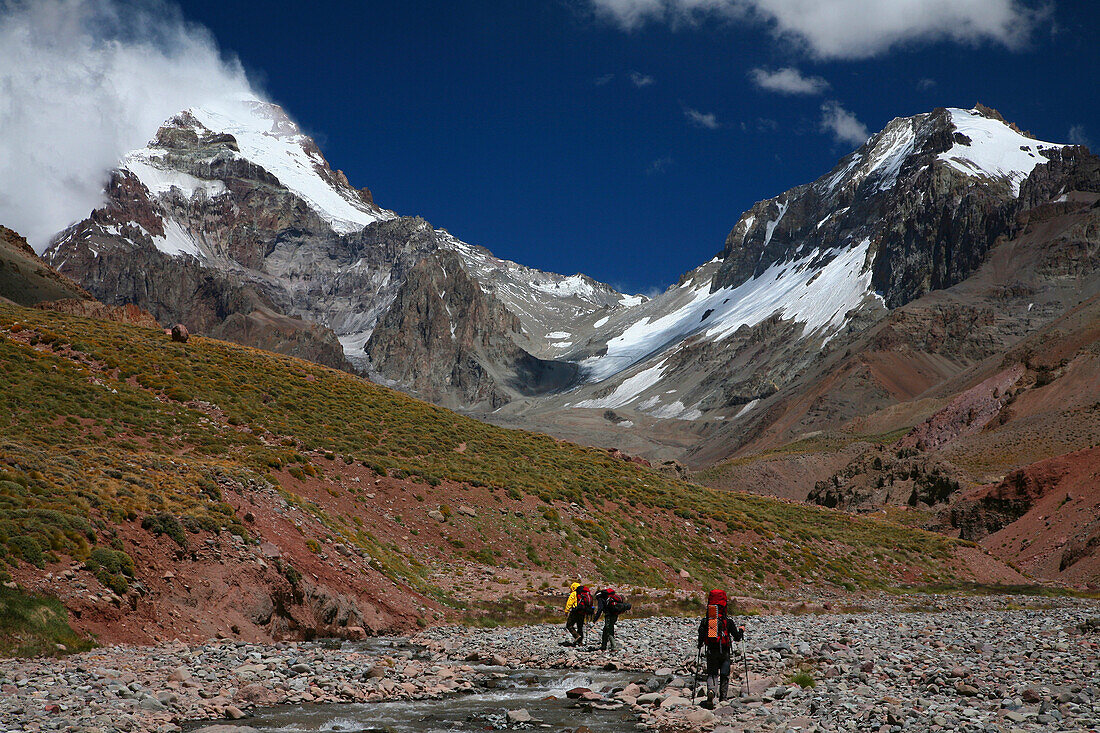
[(584, 599), (616, 604)]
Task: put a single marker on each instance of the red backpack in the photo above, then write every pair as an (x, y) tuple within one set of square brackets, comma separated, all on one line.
[(584, 598)]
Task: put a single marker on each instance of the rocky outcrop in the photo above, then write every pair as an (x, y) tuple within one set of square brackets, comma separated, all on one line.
[(966, 414), (880, 477), (447, 340), (995, 508), (271, 331)]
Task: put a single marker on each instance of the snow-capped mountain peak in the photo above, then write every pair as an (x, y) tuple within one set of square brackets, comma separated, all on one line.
[(261, 134)]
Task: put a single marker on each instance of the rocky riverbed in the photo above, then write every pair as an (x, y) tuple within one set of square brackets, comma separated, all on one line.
[(125, 688), (992, 664)]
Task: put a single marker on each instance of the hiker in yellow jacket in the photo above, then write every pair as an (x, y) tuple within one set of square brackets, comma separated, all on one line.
[(577, 608)]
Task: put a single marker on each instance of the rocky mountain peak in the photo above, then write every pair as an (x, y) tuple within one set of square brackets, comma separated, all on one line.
[(916, 167)]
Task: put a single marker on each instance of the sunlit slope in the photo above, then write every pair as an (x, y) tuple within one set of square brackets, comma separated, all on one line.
[(102, 423)]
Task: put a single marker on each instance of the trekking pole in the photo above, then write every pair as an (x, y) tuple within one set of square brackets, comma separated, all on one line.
[(745, 662), (695, 674)]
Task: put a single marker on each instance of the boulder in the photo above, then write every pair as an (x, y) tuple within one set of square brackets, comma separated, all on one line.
[(650, 698), (180, 334)]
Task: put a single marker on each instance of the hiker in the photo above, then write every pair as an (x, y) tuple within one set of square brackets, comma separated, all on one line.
[(577, 608), (717, 634), (609, 604)]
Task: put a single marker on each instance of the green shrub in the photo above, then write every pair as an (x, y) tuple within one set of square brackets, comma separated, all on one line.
[(802, 679), (28, 548), (33, 625), (162, 523)]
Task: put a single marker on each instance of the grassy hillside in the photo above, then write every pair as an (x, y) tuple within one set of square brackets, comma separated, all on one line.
[(103, 424)]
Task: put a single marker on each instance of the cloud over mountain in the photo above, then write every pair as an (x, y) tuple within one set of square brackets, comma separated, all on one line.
[(83, 82)]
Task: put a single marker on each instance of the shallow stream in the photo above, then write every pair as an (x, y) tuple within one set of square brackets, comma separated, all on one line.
[(541, 692)]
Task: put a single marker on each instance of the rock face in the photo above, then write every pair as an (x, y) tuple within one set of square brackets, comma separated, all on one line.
[(454, 343)]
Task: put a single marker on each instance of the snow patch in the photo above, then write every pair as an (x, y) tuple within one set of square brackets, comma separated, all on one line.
[(161, 181), (629, 389), (177, 241), (802, 290), (995, 149), (747, 406)]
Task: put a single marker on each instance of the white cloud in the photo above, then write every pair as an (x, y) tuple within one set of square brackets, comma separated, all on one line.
[(926, 83), (640, 80), (788, 81), (1078, 136), (845, 29), (601, 80), (702, 119), (629, 14), (82, 82), (842, 124)]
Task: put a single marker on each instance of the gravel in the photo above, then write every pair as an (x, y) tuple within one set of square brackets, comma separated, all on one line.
[(969, 665), (983, 665)]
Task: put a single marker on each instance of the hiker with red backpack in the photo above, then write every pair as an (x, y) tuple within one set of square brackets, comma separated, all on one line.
[(609, 603), (717, 635), (577, 609)]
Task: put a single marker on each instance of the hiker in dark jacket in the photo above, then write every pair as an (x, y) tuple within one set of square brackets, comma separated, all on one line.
[(609, 604), (717, 633)]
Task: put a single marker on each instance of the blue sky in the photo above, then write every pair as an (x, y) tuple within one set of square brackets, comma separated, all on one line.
[(623, 138)]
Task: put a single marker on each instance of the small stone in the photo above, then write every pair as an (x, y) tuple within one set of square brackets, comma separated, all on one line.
[(519, 716), (180, 674)]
